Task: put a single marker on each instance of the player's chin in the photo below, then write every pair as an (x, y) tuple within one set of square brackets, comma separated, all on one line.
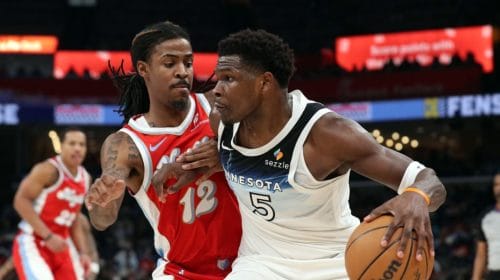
[(180, 104), (226, 119), (76, 159)]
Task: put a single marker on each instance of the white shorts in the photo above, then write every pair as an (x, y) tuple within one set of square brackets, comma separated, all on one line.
[(270, 268)]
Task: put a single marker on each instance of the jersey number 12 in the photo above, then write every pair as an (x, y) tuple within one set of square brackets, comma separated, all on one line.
[(206, 192)]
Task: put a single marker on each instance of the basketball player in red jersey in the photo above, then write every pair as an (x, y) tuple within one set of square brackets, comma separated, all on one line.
[(49, 200), (197, 230)]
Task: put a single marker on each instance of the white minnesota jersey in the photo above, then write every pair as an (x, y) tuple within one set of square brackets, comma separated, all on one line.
[(289, 218)]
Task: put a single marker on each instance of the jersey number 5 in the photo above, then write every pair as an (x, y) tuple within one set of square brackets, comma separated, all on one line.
[(206, 192), (262, 204)]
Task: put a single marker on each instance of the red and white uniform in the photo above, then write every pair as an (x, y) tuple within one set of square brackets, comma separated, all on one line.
[(57, 206), (197, 230)]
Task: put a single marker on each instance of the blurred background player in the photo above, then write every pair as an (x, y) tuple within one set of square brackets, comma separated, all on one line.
[(196, 230), (49, 200), (7, 270), (487, 260)]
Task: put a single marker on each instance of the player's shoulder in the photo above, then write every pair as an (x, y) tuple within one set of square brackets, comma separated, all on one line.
[(45, 167), (117, 138), (331, 124), (46, 171), (332, 118)]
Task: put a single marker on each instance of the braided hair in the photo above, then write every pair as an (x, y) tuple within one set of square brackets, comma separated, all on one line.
[(134, 98)]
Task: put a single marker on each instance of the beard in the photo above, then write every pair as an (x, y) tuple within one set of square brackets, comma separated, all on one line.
[(179, 105)]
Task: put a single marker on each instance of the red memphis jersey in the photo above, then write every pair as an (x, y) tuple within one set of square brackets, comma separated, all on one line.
[(198, 229), (59, 204)]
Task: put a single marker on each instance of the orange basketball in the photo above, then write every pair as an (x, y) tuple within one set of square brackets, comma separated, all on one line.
[(366, 259)]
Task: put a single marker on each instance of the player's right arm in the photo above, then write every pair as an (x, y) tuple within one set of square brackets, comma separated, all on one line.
[(119, 157), (41, 176)]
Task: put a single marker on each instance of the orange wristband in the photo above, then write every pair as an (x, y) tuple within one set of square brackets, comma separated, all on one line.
[(420, 192)]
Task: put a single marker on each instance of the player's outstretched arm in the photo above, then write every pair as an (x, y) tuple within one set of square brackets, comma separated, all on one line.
[(105, 195), (342, 144)]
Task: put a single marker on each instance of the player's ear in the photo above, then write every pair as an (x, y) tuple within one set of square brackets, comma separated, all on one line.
[(266, 81), (142, 68)]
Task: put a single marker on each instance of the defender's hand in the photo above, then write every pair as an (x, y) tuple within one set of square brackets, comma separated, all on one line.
[(104, 190), (204, 158), (171, 171)]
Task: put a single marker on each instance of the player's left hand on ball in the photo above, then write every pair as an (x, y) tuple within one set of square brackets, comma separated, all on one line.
[(411, 212)]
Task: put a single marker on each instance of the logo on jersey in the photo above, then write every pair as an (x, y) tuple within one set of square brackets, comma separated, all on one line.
[(277, 164), (278, 154), (155, 147), (70, 196), (223, 264), (196, 119)]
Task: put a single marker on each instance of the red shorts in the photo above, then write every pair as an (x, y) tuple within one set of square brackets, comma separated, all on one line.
[(33, 260)]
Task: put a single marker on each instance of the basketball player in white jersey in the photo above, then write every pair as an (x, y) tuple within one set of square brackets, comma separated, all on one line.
[(49, 200), (288, 161)]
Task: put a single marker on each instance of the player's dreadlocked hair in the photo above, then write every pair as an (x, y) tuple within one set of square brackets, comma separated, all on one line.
[(261, 51), (134, 97)]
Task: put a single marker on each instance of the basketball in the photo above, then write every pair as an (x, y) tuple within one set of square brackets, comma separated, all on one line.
[(366, 259)]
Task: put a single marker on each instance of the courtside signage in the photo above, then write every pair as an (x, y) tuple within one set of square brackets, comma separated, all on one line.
[(462, 106), (79, 114)]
